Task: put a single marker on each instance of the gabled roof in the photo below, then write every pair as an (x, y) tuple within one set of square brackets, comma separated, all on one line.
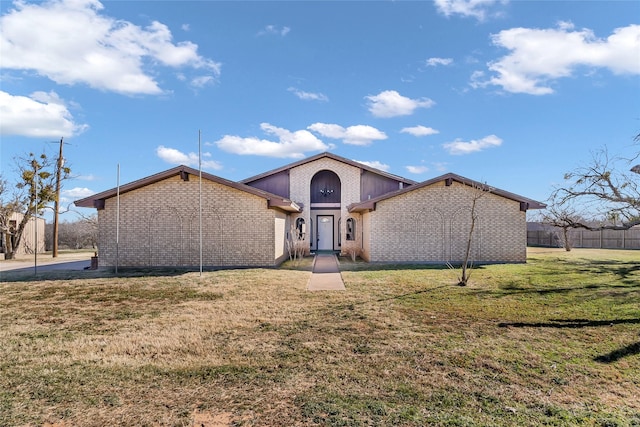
[(525, 203), (273, 200), (334, 157)]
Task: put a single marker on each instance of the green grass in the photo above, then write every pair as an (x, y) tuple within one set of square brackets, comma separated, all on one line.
[(554, 342)]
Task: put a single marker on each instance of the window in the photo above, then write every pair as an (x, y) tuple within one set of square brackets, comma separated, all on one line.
[(300, 228), (351, 229)]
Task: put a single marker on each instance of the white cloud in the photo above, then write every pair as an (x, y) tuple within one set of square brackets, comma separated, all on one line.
[(433, 62), (353, 135), (390, 103), (288, 145), (440, 166), (89, 177), (42, 115), (420, 131), (77, 193), (274, 30), (478, 9), (71, 42), (176, 157), (202, 81), (375, 164), (308, 96), (462, 147), (417, 169), (538, 57)]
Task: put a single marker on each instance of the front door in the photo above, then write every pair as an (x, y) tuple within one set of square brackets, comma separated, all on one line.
[(325, 232)]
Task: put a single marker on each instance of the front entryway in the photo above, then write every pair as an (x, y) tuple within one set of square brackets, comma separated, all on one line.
[(325, 232)]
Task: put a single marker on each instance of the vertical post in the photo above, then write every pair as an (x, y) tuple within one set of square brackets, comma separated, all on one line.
[(35, 219), (200, 195), (601, 238), (118, 218), (56, 204)]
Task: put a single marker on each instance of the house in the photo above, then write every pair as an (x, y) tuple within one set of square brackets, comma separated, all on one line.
[(330, 202), (32, 236)]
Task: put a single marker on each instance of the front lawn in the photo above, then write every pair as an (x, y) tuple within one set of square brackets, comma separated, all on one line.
[(551, 342)]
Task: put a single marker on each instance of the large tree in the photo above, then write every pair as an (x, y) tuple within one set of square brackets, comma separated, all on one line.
[(607, 187), (33, 191)]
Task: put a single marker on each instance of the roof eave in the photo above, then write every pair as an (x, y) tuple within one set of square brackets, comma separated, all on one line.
[(362, 207), (333, 157), (285, 205)]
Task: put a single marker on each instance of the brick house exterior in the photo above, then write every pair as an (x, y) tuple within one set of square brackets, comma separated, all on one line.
[(333, 203)]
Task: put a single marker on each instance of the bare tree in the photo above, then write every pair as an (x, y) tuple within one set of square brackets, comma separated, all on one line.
[(563, 218), (79, 234), (295, 244), (606, 188), (478, 192)]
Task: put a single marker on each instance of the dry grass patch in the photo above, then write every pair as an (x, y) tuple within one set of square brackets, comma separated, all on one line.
[(552, 342)]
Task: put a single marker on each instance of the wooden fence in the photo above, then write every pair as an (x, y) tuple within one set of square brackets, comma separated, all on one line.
[(602, 239)]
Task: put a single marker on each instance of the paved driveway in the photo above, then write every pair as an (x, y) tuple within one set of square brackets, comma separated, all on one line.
[(73, 261)]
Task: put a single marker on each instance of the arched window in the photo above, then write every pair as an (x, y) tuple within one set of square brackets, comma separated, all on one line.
[(301, 228), (351, 229), (325, 188)]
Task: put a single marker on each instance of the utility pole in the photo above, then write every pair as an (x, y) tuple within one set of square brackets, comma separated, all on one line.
[(56, 205)]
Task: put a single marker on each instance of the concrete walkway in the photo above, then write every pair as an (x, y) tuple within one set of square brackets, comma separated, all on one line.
[(326, 274)]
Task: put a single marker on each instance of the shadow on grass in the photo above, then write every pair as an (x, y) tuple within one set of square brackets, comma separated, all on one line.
[(412, 294), (345, 264), (568, 323), (630, 350), (621, 269), (512, 289)]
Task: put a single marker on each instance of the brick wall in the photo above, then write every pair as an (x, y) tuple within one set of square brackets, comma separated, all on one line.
[(300, 181), (159, 226), (431, 224)]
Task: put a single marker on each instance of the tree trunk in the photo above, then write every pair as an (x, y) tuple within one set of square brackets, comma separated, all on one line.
[(9, 252), (567, 242)]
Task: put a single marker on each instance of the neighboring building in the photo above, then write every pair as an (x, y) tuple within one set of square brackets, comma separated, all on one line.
[(34, 230), (333, 203)]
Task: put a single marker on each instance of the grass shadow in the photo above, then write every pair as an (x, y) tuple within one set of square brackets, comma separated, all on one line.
[(630, 350), (568, 323)]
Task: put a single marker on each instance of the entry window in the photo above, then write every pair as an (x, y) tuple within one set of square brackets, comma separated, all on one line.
[(301, 228), (351, 229)]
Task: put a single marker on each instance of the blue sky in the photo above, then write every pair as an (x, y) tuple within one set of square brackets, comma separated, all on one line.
[(513, 93)]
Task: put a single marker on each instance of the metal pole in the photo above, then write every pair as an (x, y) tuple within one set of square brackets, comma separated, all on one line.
[(117, 217), (200, 195), (35, 220), (56, 204)]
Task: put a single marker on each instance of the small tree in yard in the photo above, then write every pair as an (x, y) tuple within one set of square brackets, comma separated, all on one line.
[(478, 192), (34, 190), (563, 217), (295, 244)]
